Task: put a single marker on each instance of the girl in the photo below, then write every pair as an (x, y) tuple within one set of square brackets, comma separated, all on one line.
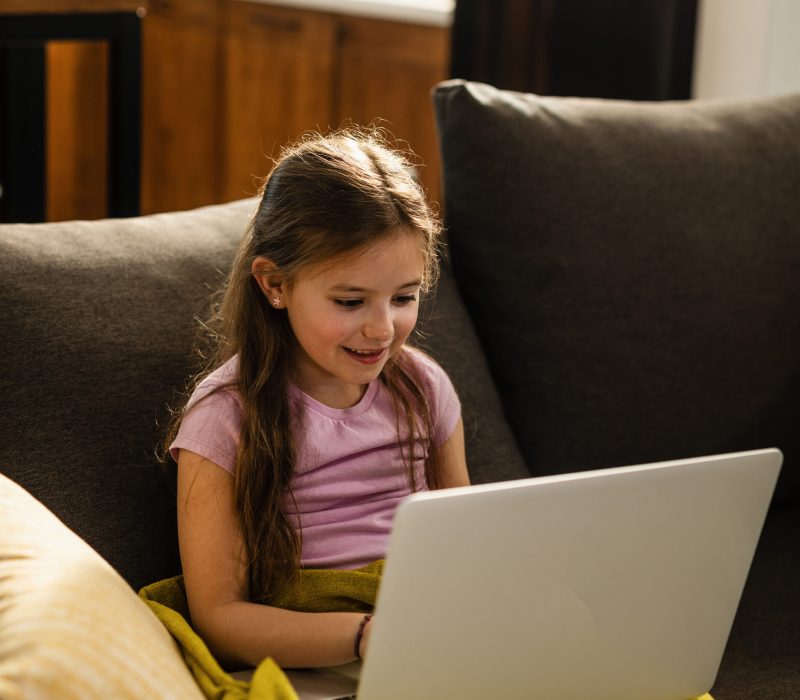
[(317, 419)]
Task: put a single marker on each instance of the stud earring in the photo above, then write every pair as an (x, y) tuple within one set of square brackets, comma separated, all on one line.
[(276, 301)]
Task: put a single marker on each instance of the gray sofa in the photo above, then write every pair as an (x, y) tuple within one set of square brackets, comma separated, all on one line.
[(622, 285)]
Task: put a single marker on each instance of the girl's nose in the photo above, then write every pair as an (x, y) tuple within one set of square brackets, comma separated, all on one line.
[(379, 326)]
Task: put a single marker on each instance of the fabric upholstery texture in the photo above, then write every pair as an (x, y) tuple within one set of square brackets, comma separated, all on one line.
[(631, 270), (70, 626), (98, 326), (445, 331), (762, 659)]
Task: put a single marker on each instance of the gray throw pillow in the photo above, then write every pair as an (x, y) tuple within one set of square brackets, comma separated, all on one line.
[(446, 332), (632, 270)]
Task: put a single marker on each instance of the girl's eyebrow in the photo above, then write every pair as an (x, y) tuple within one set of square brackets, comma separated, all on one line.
[(348, 288)]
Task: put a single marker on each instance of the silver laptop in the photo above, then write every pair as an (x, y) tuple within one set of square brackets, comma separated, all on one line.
[(617, 584)]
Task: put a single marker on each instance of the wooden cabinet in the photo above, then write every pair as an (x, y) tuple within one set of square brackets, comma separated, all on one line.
[(385, 72), (180, 105), (288, 71), (277, 66), (227, 83)]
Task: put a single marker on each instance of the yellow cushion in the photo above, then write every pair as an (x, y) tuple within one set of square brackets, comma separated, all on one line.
[(70, 626)]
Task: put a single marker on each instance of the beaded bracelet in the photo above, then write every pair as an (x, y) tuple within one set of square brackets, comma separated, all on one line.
[(361, 627)]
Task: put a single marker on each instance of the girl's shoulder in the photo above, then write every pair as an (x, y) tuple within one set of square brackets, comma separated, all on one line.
[(211, 422), (438, 389), (226, 373), (425, 369), (224, 379)]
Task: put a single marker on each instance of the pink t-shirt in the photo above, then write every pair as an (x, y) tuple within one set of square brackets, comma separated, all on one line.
[(349, 477)]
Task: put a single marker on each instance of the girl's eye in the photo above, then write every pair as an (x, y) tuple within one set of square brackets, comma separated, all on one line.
[(348, 303), (405, 299)]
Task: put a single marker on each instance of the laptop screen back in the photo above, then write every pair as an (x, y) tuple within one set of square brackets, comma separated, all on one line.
[(617, 584)]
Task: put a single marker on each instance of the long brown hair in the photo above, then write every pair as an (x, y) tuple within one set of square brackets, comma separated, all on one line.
[(326, 198)]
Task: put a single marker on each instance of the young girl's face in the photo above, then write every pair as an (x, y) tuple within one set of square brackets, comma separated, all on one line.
[(350, 318)]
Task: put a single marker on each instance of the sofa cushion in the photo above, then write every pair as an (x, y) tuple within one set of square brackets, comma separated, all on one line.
[(446, 332), (632, 271), (70, 626), (762, 658), (98, 323)]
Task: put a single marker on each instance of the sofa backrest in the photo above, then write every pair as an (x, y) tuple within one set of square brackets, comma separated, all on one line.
[(97, 332), (632, 269), (99, 325)]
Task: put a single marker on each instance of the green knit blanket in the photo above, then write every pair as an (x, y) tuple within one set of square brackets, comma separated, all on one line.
[(317, 590)]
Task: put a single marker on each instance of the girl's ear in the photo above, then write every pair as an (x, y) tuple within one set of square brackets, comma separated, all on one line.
[(270, 280)]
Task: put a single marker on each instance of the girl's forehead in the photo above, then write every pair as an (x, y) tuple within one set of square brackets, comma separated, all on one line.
[(390, 256)]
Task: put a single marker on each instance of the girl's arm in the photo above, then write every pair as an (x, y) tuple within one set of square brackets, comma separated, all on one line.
[(452, 463), (239, 632), (452, 460)]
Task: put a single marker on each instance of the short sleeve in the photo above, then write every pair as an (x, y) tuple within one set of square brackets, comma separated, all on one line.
[(442, 397), (212, 425)]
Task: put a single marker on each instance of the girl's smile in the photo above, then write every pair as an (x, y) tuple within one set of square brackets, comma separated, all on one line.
[(368, 357)]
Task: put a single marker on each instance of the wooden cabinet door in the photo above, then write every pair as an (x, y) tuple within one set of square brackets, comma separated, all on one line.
[(76, 130), (277, 74), (386, 71), (180, 105)]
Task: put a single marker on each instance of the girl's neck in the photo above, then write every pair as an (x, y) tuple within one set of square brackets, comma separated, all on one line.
[(333, 393)]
